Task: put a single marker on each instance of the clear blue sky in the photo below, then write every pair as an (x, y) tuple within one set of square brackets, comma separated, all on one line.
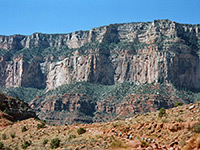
[(64, 16)]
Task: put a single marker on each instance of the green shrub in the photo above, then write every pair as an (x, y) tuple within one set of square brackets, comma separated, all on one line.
[(178, 104), (180, 120), (24, 129), (3, 136), (162, 112), (164, 120), (71, 137), (12, 135), (1, 145), (55, 143), (7, 148), (144, 143), (81, 130), (197, 128), (26, 144), (126, 129), (42, 125), (16, 147), (45, 141)]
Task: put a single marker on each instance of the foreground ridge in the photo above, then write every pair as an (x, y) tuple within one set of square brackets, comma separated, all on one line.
[(178, 128), (14, 109)]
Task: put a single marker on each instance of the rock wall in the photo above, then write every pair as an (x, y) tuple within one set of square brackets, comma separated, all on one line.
[(17, 72), (147, 66), (66, 107), (142, 32), (152, 63), (95, 68)]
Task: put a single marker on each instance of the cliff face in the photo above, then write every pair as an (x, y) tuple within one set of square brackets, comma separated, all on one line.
[(142, 32), (94, 68), (17, 72), (165, 51)]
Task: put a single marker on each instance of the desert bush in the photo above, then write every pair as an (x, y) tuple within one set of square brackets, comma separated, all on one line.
[(81, 130), (162, 112), (178, 104), (1, 145), (16, 147), (7, 148), (144, 143), (45, 141), (12, 135), (180, 120), (71, 137), (3, 136), (126, 129), (24, 129), (55, 143), (42, 125), (26, 144), (197, 128), (164, 120), (117, 119)]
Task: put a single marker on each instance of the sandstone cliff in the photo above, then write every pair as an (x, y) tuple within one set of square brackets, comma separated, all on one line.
[(158, 51), (17, 72)]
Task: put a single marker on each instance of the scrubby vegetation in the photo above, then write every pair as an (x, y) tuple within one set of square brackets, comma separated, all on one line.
[(55, 143), (41, 125), (178, 104), (1, 145), (26, 144), (27, 94), (12, 135), (144, 143), (162, 112), (81, 130), (197, 128), (45, 141), (4, 136), (71, 137), (24, 129)]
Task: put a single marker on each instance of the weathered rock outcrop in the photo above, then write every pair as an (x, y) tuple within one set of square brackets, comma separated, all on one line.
[(66, 107), (15, 109)]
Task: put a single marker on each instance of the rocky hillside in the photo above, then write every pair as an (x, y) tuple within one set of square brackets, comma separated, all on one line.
[(177, 128), (108, 72), (87, 103), (14, 109)]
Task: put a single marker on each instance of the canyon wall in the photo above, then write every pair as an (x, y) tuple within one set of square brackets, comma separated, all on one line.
[(169, 55)]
